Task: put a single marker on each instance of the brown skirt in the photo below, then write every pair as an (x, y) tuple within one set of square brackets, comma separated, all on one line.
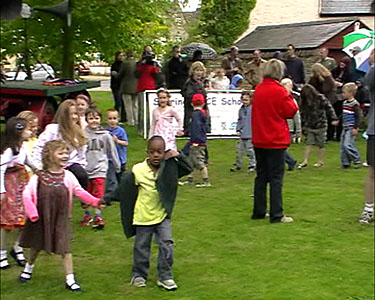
[(12, 209), (52, 230)]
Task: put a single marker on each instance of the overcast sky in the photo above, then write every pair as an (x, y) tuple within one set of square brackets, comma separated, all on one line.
[(192, 5)]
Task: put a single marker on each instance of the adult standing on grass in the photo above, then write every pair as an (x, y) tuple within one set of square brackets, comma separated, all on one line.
[(368, 211), (128, 88), (115, 83), (273, 105)]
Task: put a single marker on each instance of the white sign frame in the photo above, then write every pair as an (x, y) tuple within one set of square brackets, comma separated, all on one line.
[(223, 107)]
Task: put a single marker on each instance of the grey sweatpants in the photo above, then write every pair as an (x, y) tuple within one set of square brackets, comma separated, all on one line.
[(245, 146), (142, 245)]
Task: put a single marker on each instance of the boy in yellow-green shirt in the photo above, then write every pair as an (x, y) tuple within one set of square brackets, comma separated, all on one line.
[(147, 195)]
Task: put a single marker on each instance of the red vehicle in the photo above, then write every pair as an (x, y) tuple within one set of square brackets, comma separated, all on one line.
[(82, 69), (42, 99)]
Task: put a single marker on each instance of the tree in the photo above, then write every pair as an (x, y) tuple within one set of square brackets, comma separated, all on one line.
[(97, 26), (221, 22)]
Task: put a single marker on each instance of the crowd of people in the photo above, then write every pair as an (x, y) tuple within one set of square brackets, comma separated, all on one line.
[(75, 155)]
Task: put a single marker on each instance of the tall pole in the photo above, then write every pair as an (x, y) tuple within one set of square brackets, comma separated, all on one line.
[(68, 55), (68, 60), (26, 52)]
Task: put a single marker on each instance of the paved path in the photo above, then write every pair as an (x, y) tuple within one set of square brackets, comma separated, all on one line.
[(104, 82)]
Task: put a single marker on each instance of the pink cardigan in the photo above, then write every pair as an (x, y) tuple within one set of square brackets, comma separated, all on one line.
[(29, 195)]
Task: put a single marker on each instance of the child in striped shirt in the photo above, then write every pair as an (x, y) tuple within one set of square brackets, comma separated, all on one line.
[(351, 116)]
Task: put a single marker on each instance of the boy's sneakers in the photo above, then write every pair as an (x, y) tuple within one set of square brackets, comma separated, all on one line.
[(189, 183), (138, 281), (366, 218), (204, 184), (86, 221), (235, 169), (98, 223), (167, 284), (357, 164), (286, 219), (251, 169)]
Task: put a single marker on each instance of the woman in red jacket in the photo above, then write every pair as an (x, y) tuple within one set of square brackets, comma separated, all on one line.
[(273, 105)]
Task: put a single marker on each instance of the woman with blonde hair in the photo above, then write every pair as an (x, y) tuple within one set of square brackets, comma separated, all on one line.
[(273, 105), (66, 127), (194, 85), (323, 81)]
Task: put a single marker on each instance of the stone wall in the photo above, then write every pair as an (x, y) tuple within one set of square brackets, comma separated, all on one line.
[(309, 57)]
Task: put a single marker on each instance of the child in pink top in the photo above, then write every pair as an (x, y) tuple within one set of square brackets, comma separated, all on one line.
[(162, 121), (48, 201)]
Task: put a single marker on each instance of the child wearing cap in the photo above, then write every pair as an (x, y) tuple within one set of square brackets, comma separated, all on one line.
[(198, 140)]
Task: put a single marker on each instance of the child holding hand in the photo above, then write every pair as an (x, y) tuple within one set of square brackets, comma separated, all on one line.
[(100, 146), (147, 195), (48, 201), (162, 121), (13, 178)]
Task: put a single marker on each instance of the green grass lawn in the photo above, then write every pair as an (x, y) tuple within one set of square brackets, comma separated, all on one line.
[(219, 252)]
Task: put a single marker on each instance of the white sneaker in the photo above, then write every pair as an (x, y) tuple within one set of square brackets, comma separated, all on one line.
[(138, 281), (286, 219), (167, 284), (204, 184), (4, 264), (365, 218)]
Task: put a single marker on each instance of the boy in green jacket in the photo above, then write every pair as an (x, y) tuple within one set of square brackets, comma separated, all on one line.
[(147, 195)]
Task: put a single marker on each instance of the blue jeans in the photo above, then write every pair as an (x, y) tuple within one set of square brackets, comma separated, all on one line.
[(142, 245), (290, 161), (348, 152)]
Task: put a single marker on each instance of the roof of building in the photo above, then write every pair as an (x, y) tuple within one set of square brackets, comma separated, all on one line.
[(305, 35), (347, 7)]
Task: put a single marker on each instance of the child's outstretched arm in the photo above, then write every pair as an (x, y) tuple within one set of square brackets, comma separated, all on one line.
[(83, 195), (29, 199)]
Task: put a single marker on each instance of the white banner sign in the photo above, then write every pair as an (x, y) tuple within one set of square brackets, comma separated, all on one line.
[(223, 107)]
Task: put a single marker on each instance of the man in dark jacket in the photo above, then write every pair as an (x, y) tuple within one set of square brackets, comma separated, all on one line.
[(294, 66), (115, 84), (177, 70)]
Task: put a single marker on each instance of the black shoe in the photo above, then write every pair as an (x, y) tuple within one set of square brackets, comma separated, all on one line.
[(20, 262), (235, 169), (292, 166)]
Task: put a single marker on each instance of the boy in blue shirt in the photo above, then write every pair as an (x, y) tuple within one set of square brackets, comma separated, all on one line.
[(244, 145), (121, 141)]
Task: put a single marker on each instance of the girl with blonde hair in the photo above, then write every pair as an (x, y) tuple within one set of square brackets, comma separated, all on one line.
[(65, 127), (32, 120), (48, 202)]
